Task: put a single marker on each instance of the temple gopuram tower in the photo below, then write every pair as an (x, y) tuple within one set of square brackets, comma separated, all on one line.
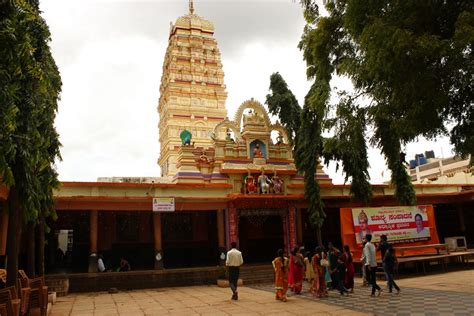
[(192, 91)]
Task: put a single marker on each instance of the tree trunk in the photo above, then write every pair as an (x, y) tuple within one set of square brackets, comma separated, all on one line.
[(14, 235), (319, 237), (30, 263), (41, 246)]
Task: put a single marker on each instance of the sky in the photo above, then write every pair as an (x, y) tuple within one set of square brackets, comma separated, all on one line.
[(110, 55)]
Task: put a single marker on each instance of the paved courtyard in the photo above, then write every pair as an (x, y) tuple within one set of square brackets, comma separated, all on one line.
[(442, 294)]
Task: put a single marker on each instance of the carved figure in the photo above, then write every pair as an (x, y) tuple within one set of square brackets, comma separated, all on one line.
[(257, 153), (229, 136), (279, 139), (250, 184), (263, 183), (186, 137), (203, 158), (277, 184)]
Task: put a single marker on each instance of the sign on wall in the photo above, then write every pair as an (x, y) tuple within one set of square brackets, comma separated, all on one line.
[(163, 205), (399, 224)]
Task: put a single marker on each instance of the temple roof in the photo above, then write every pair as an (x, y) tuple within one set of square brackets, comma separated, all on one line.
[(193, 21)]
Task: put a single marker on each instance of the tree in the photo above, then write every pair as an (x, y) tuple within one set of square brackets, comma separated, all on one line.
[(29, 143), (305, 126), (411, 60)]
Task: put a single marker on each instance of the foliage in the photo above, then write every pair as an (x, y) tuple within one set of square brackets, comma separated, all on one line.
[(413, 60), (29, 143)]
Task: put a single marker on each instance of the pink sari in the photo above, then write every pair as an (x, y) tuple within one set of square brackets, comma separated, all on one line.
[(296, 273)]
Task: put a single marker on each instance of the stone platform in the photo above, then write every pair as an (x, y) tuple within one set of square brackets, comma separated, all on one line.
[(441, 294)]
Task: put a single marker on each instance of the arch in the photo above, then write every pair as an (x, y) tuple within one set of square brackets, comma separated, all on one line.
[(229, 124), (279, 128), (254, 105)]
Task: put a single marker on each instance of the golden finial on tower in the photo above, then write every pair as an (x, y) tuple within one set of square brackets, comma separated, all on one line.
[(191, 7)]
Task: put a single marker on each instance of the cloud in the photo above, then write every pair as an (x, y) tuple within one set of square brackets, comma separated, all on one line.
[(110, 55)]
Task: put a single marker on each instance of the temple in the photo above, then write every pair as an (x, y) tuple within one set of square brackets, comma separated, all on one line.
[(223, 180)]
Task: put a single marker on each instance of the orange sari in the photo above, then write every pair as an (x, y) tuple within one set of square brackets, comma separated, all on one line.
[(281, 277), (319, 282)]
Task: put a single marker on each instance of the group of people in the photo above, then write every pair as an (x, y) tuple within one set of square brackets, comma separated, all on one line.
[(124, 266), (369, 261), (326, 269)]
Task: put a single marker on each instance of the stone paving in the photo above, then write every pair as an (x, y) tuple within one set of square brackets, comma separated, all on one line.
[(442, 294)]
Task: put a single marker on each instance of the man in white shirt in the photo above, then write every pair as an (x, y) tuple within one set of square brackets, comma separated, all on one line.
[(233, 262), (371, 264)]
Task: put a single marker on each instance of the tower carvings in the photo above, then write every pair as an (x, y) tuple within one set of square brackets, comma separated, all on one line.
[(192, 91)]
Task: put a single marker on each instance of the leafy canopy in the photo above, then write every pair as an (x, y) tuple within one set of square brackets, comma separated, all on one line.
[(29, 143)]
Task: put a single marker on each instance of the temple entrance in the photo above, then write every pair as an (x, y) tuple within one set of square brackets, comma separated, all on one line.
[(260, 235), (189, 239), (67, 243)]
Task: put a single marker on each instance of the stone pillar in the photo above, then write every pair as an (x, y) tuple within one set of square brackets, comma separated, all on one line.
[(233, 225), (286, 244), (158, 244), (462, 222), (292, 227), (221, 236), (3, 237), (93, 241), (299, 227)]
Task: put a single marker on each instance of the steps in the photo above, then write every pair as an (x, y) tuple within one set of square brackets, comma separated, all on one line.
[(60, 285), (257, 274)]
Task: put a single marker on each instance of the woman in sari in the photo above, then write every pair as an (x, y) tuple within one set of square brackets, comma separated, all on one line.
[(308, 269), (319, 281), (280, 265), (350, 270), (296, 270)]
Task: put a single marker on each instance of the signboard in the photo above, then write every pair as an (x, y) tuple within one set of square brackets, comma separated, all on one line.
[(163, 205), (399, 223)]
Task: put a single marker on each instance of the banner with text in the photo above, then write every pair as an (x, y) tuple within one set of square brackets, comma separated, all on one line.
[(399, 223), (163, 205)]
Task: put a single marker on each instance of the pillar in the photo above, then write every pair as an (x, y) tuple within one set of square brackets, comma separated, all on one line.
[(233, 225), (158, 241), (286, 244), (292, 227), (3, 235), (93, 218), (299, 227), (462, 222), (221, 236)]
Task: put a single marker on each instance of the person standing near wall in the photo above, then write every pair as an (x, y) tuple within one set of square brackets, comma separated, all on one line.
[(233, 262)]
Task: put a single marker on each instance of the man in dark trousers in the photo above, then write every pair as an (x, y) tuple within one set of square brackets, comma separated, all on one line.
[(383, 246), (233, 262), (371, 264)]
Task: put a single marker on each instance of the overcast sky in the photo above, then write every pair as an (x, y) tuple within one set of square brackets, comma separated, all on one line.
[(110, 55)]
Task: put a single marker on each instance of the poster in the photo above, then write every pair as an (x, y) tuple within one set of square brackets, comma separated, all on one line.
[(163, 205), (399, 223)]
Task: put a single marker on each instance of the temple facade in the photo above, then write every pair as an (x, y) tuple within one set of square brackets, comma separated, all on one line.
[(223, 180)]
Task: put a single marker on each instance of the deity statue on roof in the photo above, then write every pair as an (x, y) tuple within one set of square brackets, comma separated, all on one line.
[(257, 152), (277, 184)]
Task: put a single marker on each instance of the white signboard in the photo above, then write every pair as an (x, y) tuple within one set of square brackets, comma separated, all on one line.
[(163, 205)]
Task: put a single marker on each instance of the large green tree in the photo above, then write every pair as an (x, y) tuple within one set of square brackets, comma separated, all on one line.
[(411, 64), (29, 143)]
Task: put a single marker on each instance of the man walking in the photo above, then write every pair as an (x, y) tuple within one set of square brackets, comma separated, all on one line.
[(233, 262), (371, 264)]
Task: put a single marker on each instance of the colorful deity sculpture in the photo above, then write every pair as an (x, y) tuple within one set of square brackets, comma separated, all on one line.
[(249, 184), (277, 184), (257, 152), (263, 183)]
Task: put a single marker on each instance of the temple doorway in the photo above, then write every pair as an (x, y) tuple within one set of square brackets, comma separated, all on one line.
[(189, 239), (260, 235)]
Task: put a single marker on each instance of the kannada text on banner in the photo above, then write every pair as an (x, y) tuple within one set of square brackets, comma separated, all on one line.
[(399, 224)]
